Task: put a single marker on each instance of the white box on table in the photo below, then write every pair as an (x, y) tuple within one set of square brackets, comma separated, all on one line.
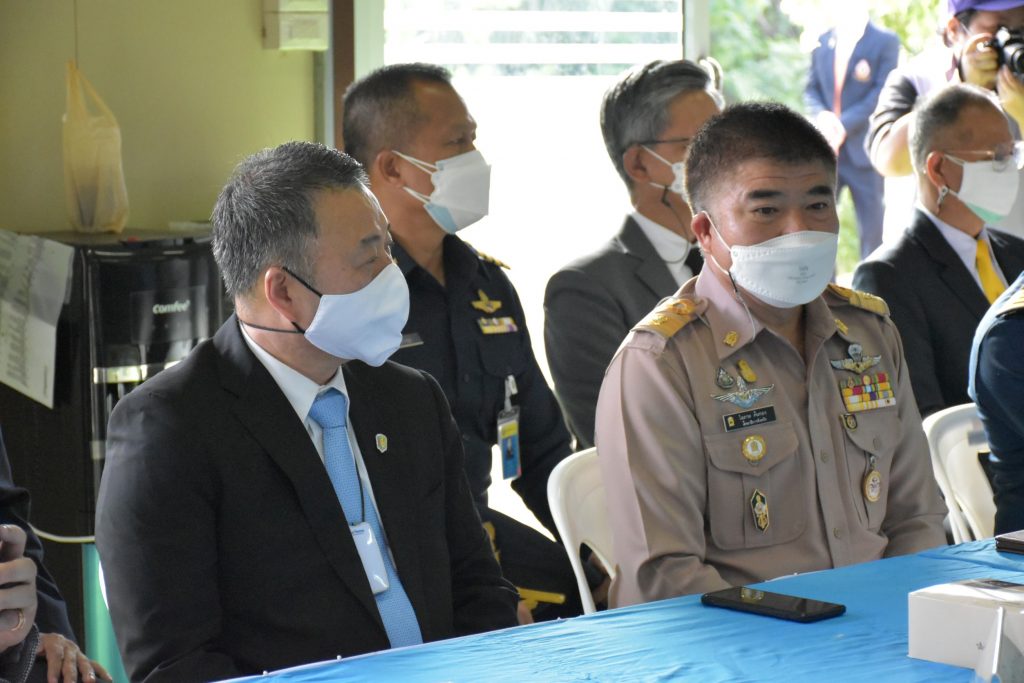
[(951, 623)]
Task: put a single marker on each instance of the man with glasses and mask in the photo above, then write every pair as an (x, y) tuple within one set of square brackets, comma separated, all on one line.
[(950, 265), (968, 56), (760, 422), (285, 495), (411, 130), (648, 119)]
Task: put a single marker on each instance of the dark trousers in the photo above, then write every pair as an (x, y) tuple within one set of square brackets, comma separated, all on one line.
[(530, 560)]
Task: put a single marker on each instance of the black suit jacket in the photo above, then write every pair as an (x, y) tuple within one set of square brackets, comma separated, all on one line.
[(936, 305), (589, 307), (879, 50), (225, 549)]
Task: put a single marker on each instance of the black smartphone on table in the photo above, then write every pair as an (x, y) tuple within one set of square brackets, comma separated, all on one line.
[(757, 601)]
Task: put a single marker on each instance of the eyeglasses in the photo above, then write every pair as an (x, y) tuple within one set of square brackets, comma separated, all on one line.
[(1001, 157), (686, 141)]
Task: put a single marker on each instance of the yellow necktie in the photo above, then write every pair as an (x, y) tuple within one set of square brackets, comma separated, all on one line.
[(990, 282)]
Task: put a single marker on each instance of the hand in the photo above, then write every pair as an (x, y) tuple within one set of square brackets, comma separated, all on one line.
[(65, 662), (831, 127), (1011, 95), (978, 61), (523, 612), (17, 587)]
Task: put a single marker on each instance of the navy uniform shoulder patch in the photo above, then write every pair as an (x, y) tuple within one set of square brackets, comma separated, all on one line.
[(862, 300), (668, 317)]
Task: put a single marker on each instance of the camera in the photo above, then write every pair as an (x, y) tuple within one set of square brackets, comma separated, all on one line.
[(1009, 47)]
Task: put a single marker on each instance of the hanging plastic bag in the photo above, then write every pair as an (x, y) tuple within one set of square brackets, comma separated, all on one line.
[(97, 199)]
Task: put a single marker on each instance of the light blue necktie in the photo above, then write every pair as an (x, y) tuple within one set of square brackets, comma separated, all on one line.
[(329, 411)]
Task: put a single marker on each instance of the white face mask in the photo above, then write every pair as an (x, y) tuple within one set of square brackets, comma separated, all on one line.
[(462, 188), (678, 170), (365, 325), (989, 193), (786, 271)]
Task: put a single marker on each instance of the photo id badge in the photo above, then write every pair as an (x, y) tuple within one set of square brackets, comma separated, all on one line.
[(371, 555), (508, 442)]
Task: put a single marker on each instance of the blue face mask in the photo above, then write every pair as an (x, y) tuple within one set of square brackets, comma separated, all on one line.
[(462, 186)]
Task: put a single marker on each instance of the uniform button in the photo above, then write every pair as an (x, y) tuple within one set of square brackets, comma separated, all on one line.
[(837, 532), (824, 456), (465, 378)]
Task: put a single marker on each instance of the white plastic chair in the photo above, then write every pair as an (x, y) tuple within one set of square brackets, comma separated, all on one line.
[(576, 497), (955, 437)]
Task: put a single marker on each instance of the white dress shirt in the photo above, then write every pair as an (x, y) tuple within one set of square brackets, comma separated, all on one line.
[(671, 247), (966, 247), (301, 391)]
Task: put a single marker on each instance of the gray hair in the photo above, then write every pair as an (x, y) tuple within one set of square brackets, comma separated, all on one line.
[(635, 110), (939, 114), (264, 216), (380, 109)]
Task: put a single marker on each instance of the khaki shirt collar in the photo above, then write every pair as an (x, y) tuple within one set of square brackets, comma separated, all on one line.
[(730, 321)]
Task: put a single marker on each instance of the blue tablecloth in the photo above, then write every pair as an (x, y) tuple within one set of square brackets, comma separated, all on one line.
[(680, 639)]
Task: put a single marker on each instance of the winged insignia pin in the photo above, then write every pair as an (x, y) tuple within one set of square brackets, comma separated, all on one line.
[(857, 362), (744, 396)]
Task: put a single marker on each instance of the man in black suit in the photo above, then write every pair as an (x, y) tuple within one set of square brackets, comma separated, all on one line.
[(946, 269), (647, 120), (848, 68), (285, 495)]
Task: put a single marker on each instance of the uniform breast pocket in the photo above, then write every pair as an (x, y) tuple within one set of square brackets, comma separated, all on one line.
[(755, 487), (870, 447)]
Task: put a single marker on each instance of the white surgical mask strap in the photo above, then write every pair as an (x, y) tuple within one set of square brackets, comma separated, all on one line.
[(422, 165), (662, 160), (735, 288)]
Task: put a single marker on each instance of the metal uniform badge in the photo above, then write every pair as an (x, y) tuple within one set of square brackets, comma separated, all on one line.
[(484, 303), (724, 380), (872, 484), (754, 448), (759, 507), (849, 421), (382, 443), (746, 372), (857, 362), (744, 396), (731, 337)]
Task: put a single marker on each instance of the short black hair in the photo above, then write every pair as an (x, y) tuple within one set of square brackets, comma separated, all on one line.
[(745, 132), (380, 109), (635, 109), (264, 216)]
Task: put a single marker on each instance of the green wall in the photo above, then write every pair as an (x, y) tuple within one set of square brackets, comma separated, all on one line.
[(189, 82)]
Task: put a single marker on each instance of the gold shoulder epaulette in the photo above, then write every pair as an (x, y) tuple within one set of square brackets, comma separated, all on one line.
[(670, 316), (868, 302), (1013, 304), (486, 258), (491, 259)]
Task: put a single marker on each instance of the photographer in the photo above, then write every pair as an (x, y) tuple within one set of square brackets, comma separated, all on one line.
[(970, 55)]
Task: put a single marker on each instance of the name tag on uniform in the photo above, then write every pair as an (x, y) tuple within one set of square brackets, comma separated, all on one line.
[(749, 418), (504, 325), (371, 555), (508, 443)]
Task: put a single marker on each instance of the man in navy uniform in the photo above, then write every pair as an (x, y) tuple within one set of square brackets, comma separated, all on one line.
[(997, 387), (848, 68), (411, 130)]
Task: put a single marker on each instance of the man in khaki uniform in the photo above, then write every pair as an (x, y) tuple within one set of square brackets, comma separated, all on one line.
[(761, 421)]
